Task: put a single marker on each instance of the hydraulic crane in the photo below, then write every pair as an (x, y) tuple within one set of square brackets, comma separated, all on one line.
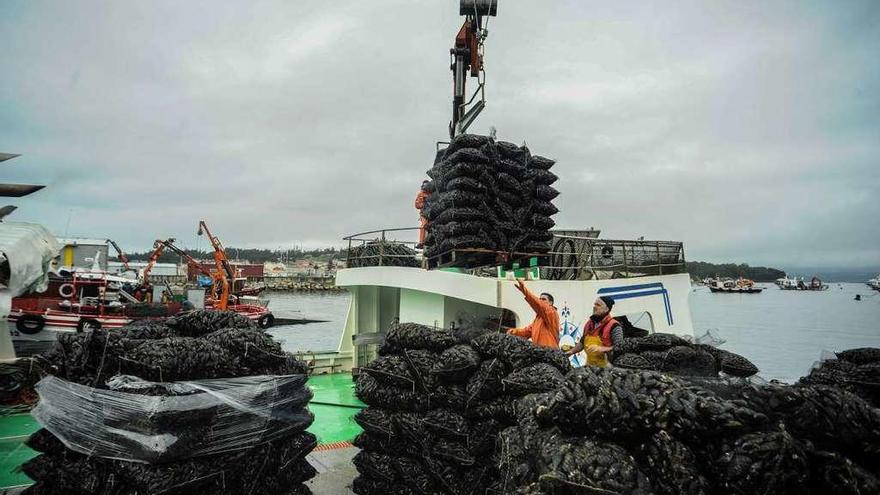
[(158, 249), (223, 273), (467, 56), (119, 254), (220, 286)]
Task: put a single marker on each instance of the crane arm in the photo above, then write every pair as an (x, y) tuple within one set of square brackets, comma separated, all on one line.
[(119, 254), (158, 248), (220, 287), (220, 258), (190, 261), (467, 55)]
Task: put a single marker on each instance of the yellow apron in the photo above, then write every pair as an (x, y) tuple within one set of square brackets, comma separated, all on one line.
[(595, 358)]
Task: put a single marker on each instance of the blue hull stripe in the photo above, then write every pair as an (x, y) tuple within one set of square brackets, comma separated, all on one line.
[(627, 288), (632, 291)]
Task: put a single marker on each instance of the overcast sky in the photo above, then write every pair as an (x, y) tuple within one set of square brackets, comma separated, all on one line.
[(747, 130)]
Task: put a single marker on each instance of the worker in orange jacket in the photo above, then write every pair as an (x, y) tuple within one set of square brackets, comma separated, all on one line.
[(421, 198), (544, 329)]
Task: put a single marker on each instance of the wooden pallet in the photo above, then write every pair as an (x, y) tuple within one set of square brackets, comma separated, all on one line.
[(476, 258)]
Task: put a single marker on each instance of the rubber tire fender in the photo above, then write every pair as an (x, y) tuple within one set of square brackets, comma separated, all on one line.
[(61, 291), (80, 326), (21, 324), (266, 321)]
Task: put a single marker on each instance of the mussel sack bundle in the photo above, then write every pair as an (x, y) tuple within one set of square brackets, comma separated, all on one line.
[(437, 400), (276, 467), (698, 435), (854, 370), (210, 404), (490, 195), (386, 253), (672, 354)]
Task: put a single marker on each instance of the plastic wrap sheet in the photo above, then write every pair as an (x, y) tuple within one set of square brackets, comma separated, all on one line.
[(26, 250), (137, 420)]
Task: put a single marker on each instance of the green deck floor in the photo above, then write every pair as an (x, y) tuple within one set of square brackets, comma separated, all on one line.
[(334, 404), (14, 430)]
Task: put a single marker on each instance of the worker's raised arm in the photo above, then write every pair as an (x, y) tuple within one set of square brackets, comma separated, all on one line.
[(542, 309), (531, 298), (524, 332)]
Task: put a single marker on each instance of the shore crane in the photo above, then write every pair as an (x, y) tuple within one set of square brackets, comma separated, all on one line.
[(223, 275), (120, 255), (220, 285), (467, 56), (158, 249)]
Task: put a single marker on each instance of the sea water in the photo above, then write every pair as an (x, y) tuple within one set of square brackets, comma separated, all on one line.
[(783, 332)]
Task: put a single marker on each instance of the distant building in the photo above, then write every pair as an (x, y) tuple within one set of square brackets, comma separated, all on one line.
[(274, 269), (247, 270), (159, 269), (81, 252)]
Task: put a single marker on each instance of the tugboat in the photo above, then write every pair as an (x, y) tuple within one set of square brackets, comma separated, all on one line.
[(738, 286)]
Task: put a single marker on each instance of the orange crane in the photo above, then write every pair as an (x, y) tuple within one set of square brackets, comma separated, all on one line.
[(158, 248), (220, 287), (224, 273)]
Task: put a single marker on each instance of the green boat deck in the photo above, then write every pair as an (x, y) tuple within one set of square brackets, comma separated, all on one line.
[(334, 405)]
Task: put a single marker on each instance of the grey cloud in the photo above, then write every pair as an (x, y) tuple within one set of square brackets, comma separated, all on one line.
[(746, 130)]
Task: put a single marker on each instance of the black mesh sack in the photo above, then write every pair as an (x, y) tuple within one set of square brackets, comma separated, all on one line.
[(862, 355), (542, 177), (545, 192), (457, 229), (510, 199), (467, 141), (463, 169), (513, 152), (542, 222), (540, 162), (539, 377), (455, 365), (472, 155), (467, 184), (460, 214), (545, 208), (454, 199)]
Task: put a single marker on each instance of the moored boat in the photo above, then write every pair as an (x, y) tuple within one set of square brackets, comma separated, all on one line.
[(85, 300), (738, 286)]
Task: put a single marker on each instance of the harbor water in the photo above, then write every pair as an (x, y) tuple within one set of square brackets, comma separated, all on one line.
[(783, 332)]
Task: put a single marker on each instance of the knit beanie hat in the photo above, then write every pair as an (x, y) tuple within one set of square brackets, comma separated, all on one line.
[(608, 302)]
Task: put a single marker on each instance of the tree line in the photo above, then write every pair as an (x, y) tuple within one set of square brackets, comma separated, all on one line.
[(252, 255), (701, 269)]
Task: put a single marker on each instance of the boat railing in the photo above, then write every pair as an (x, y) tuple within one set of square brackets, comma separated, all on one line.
[(385, 247), (573, 255), (579, 257)]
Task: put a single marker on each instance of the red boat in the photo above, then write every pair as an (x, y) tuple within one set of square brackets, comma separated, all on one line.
[(88, 300)]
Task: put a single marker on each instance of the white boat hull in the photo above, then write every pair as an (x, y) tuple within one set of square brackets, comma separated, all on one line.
[(381, 295)]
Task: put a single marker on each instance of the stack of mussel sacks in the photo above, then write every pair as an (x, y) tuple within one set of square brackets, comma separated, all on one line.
[(641, 432), (673, 354), (490, 195), (203, 402), (854, 370), (437, 400)]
